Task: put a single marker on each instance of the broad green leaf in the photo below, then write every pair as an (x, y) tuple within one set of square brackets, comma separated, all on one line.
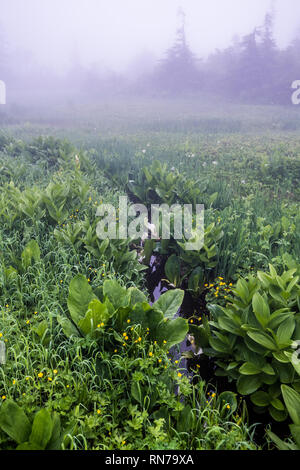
[(10, 275), (296, 385), (292, 402), (276, 293), (285, 331), (292, 284), (264, 278), (268, 369), (278, 317), (117, 294), (228, 325), (219, 345), (293, 359), (136, 296), (277, 404), (56, 436), (142, 314), (269, 379), (172, 270), (68, 327), (41, 328), (241, 290), (261, 309), (279, 443), (216, 310), (281, 357), (263, 339), (249, 369), (96, 314), (172, 331), (278, 415), (295, 431), (185, 419), (253, 346), (260, 399), (196, 279), (41, 429), (80, 295), (14, 422), (248, 384), (286, 372), (136, 392), (169, 302), (273, 271), (232, 365), (30, 252)]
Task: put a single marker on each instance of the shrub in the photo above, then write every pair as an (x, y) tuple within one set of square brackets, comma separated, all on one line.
[(292, 402), (253, 338)]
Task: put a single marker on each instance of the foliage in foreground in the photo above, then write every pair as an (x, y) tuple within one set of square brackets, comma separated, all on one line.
[(292, 402), (253, 338), (109, 385), (89, 367)]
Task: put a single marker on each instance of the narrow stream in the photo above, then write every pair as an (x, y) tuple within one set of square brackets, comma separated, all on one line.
[(156, 287)]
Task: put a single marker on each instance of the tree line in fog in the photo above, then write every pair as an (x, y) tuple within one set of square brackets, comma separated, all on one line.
[(252, 69)]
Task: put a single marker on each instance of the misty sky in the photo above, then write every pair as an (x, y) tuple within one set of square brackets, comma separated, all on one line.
[(115, 32)]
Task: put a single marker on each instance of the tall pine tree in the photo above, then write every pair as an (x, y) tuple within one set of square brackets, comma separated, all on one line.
[(178, 72)]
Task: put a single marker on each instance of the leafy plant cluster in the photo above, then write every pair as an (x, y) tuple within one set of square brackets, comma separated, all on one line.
[(87, 352), (157, 183), (254, 338), (86, 361)]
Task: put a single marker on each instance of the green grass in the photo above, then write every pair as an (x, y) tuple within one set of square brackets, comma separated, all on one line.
[(248, 156)]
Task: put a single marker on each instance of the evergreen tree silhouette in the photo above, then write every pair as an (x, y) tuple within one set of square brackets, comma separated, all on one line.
[(178, 72)]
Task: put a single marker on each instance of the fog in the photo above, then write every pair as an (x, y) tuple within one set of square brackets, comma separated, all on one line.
[(77, 44), (116, 32)]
